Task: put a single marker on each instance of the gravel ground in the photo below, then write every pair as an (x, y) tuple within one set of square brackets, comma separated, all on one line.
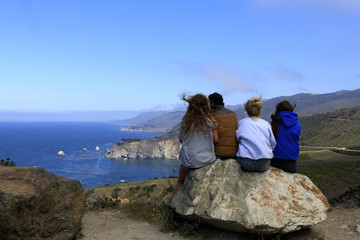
[(342, 224)]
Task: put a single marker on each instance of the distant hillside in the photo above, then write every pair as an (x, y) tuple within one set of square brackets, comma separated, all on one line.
[(310, 104), (336, 129), (159, 123), (306, 105), (140, 118)]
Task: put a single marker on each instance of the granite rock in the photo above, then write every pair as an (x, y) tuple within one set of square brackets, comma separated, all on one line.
[(223, 195)]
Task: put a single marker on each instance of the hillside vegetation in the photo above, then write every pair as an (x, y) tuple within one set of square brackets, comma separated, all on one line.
[(335, 129)]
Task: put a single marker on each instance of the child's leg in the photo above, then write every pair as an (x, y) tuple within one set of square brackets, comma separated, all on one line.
[(182, 175)]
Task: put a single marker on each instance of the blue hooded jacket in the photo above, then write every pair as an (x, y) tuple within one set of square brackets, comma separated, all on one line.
[(287, 140)]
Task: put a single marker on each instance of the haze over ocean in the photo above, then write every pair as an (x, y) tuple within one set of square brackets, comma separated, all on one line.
[(37, 144)]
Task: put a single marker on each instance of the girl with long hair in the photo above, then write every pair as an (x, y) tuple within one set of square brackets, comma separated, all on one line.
[(197, 134), (286, 128)]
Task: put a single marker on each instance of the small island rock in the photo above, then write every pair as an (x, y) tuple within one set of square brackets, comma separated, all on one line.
[(61, 153)]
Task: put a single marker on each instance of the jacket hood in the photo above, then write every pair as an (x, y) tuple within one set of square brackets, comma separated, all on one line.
[(288, 119)]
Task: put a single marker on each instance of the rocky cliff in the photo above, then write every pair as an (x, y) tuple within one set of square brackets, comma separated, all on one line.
[(145, 149), (164, 146)]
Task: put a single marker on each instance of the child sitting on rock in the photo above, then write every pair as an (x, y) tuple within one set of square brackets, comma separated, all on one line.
[(226, 120), (286, 128), (197, 134), (256, 139)]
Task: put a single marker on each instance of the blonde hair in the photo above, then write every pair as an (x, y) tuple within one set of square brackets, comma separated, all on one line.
[(253, 107)]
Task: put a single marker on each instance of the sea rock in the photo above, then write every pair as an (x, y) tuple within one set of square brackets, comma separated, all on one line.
[(61, 153), (36, 204), (274, 201), (168, 149)]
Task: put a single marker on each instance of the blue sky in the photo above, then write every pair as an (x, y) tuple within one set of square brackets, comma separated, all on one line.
[(88, 55)]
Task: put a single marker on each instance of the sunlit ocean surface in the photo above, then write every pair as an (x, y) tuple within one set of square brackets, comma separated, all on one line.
[(37, 144)]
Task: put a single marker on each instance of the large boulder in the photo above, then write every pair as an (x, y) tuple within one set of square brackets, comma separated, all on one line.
[(274, 201), (36, 204)]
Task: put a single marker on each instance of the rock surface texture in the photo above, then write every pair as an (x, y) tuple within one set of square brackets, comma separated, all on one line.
[(146, 149), (36, 204), (223, 195)]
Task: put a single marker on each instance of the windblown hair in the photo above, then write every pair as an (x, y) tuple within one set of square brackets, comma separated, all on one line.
[(253, 107), (281, 106), (198, 115)]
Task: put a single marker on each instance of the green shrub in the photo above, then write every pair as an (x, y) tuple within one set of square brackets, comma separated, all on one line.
[(132, 190), (114, 193), (128, 140), (7, 162), (89, 192), (103, 203), (149, 189)]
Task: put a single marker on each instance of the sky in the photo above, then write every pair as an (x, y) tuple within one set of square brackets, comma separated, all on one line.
[(141, 55)]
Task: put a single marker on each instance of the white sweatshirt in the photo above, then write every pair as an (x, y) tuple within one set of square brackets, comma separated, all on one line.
[(256, 139)]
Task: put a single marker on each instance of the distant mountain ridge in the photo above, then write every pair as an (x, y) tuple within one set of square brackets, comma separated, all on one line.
[(306, 105), (140, 118), (310, 104), (159, 123)]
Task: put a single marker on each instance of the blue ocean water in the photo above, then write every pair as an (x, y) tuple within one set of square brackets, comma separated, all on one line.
[(37, 144)]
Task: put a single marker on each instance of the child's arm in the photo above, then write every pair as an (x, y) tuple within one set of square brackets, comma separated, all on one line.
[(215, 135)]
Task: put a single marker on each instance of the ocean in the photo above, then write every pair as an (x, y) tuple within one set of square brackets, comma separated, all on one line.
[(37, 144)]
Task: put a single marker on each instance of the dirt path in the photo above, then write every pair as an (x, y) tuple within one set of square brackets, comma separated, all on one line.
[(341, 224), (107, 225)]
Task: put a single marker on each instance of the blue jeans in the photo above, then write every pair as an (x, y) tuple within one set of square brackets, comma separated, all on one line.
[(250, 165), (289, 166)]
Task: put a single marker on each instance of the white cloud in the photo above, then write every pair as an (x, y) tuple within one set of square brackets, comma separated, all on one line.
[(302, 90), (287, 74), (231, 80), (354, 47)]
